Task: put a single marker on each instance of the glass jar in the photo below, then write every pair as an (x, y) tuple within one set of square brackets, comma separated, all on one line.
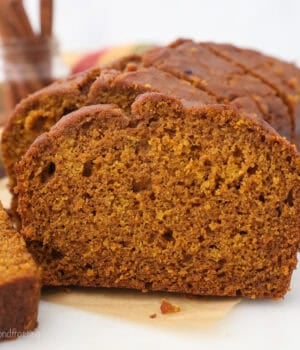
[(26, 65)]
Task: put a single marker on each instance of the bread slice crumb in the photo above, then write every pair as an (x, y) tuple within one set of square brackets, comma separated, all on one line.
[(166, 307)]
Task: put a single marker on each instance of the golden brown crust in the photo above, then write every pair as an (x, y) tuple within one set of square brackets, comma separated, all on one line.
[(123, 62), (113, 86)]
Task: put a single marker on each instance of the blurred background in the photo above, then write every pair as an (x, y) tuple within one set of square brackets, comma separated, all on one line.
[(270, 25)]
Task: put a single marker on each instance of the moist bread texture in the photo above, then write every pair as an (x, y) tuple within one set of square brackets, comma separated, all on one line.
[(19, 283), (163, 194), (219, 73)]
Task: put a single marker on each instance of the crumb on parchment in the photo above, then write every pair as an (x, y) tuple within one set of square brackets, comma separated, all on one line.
[(166, 307)]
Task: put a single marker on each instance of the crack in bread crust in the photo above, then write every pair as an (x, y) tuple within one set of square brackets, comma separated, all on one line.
[(282, 77), (224, 80)]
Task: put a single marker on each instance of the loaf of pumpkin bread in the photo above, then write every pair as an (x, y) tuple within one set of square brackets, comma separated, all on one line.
[(183, 177), (163, 194)]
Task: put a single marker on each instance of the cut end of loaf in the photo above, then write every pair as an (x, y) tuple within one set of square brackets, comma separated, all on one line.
[(19, 283), (198, 200)]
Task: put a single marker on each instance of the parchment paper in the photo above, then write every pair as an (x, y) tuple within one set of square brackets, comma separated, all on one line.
[(135, 306)]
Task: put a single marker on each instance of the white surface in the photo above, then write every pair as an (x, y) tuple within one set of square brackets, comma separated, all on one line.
[(250, 325), (270, 25)]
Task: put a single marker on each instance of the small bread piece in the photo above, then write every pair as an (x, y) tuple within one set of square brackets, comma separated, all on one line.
[(198, 199), (167, 308), (19, 283)]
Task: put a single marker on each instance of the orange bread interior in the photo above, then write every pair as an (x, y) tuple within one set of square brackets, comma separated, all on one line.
[(193, 198)]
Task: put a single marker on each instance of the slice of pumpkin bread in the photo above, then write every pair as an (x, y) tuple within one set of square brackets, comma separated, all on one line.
[(199, 199), (38, 112), (19, 283)]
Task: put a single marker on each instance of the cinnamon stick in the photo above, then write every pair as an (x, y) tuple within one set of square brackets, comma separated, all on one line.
[(10, 94), (18, 17), (10, 97), (46, 17), (25, 48), (23, 29), (6, 31), (16, 26), (46, 22)]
